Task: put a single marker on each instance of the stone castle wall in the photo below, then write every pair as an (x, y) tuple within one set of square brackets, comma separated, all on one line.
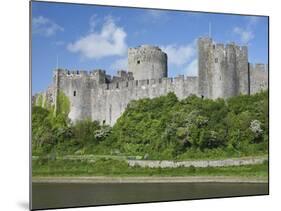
[(105, 102), (258, 77), (223, 71)]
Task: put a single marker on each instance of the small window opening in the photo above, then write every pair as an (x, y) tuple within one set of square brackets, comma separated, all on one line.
[(117, 85), (137, 83), (220, 77), (68, 72), (74, 93), (214, 46), (103, 121), (147, 81), (77, 72), (202, 96), (216, 60), (127, 84), (107, 86), (138, 61)]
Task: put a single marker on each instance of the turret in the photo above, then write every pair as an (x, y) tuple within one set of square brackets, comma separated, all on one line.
[(147, 62)]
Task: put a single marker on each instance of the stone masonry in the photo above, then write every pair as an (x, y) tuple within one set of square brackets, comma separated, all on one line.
[(223, 71)]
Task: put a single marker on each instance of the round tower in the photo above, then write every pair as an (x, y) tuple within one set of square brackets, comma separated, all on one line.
[(147, 62)]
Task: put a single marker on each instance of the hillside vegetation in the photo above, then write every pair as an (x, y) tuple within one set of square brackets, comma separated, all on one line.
[(161, 128)]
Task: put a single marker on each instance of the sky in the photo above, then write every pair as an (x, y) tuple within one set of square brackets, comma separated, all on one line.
[(88, 37)]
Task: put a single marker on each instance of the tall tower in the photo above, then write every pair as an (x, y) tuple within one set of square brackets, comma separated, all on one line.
[(205, 67), (223, 70), (147, 62)]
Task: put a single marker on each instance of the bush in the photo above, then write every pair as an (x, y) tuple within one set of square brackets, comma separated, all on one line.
[(161, 128)]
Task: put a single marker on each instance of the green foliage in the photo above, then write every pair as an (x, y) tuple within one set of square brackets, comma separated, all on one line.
[(166, 128), (160, 128), (55, 133), (63, 104), (47, 130), (39, 100)]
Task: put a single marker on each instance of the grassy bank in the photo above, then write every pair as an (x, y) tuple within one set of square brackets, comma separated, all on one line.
[(109, 167)]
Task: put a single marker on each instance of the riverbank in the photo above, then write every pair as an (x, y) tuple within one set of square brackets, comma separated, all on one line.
[(153, 179), (119, 168)]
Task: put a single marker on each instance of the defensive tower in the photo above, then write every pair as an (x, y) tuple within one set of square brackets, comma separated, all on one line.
[(222, 70), (147, 62)]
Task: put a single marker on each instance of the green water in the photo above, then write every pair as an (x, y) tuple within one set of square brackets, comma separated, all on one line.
[(55, 195)]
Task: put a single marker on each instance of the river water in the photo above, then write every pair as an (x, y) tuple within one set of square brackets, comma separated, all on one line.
[(55, 195)]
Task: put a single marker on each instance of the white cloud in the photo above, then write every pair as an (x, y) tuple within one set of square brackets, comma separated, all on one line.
[(246, 33), (93, 22), (44, 26), (253, 20), (179, 55), (155, 16), (192, 68), (109, 41), (120, 64)]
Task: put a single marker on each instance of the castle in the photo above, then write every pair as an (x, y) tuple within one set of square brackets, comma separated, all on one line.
[(223, 71)]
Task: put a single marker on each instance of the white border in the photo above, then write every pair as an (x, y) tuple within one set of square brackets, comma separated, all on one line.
[(14, 106)]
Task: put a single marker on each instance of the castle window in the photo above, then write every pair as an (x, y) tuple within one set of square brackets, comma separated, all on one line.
[(138, 62), (214, 46), (68, 72), (107, 86), (117, 85), (77, 72), (147, 81), (127, 84), (137, 83), (74, 93), (103, 122), (216, 60)]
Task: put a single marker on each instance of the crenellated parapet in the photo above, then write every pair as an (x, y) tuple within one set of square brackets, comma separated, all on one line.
[(95, 76), (258, 67), (223, 71), (149, 83)]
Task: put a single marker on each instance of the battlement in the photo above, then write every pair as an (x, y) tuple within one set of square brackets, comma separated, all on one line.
[(223, 47), (97, 75), (146, 47), (147, 53), (258, 67), (147, 83), (230, 46), (223, 71)]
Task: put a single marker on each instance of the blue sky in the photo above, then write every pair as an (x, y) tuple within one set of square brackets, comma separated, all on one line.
[(87, 37)]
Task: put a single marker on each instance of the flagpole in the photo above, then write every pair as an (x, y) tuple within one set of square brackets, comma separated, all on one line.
[(210, 29)]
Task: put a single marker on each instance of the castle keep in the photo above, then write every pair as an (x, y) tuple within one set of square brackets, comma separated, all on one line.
[(223, 71)]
